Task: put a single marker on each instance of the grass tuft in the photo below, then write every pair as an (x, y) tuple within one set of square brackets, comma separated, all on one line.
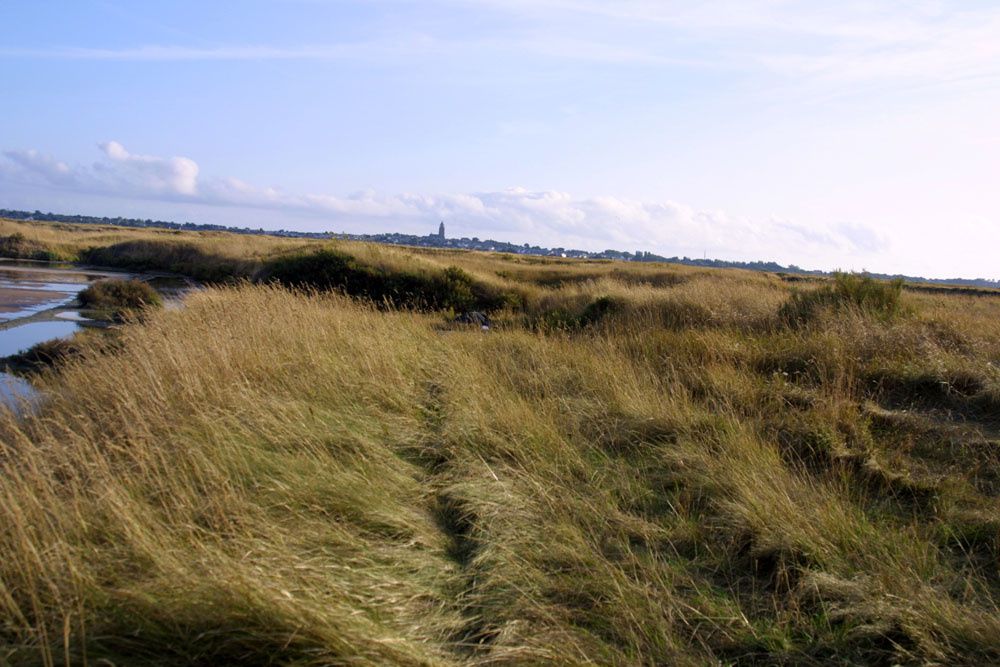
[(848, 291), (18, 246), (116, 298)]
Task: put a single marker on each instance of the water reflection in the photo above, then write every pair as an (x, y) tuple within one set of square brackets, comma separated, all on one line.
[(27, 290), (15, 392), (20, 338), (73, 316)]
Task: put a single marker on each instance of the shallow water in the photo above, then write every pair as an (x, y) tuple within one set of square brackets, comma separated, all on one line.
[(27, 289), (73, 316), (24, 298), (20, 338), (36, 302), (15, 391)]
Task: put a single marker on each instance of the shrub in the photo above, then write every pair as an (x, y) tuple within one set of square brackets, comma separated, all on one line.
[(570, 314), (328, 269), (598, 309), (18, 246), (175, 256), (860, 292), (117, 297), (455, 289)]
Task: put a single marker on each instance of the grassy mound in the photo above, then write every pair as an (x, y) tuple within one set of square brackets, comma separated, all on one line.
[(41, 356), (181, 257), (848, 291), (451, 288), (18, 246), (576, 314), (115, 298)]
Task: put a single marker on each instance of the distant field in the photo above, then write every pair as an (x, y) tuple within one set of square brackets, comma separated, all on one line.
[(639, 464)]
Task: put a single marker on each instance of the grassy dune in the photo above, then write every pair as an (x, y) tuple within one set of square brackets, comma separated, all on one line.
[(639, 465)]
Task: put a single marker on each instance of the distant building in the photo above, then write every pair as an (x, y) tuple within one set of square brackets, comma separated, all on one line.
[(441, 230)]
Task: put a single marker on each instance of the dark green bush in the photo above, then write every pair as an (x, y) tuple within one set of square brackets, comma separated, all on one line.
[(328, 269), (116, 297), (848, 291)]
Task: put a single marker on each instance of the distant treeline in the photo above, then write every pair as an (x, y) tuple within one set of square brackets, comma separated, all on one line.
[(434, 241), (157, 224)]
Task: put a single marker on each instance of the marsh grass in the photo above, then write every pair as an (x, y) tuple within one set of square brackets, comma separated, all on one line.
[(423, 288), (42, 356), (869, 295), (19, 246), (295, 476), (177, 256), (118, 298)]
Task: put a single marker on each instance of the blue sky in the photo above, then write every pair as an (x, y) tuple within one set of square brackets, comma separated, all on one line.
[(833, 135)]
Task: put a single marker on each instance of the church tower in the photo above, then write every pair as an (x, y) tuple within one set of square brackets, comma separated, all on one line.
[(441, 230)]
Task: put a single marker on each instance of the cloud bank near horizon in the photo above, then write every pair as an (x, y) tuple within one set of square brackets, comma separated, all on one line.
[(547, 217)]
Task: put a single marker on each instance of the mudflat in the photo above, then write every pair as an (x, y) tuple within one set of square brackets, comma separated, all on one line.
[(13, 300)]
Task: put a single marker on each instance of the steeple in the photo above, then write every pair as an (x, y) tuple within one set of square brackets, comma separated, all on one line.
[(441, 230)]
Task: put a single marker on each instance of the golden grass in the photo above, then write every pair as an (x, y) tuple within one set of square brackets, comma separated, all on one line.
[(68, 240), (275, 477)]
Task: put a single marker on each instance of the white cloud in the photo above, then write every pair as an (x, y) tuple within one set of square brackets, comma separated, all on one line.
[(171, 176), (36, 166), (120, 174), (516, 214), (839, 48)]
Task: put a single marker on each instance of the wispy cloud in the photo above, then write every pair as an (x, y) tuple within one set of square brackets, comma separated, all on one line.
[(551, 217), (836, 45), (179, 53)]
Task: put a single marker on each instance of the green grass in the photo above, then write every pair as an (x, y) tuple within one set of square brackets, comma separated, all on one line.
[(668, 474)]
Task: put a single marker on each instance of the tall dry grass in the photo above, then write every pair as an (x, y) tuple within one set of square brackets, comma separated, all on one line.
[(270, 476)]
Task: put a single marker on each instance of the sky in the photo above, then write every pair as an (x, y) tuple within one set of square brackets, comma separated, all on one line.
[(847, 135)]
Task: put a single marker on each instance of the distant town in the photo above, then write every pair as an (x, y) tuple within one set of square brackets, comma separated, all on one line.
[(441, 240)]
